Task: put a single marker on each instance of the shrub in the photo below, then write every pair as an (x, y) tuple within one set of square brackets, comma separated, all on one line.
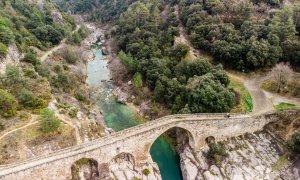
[(57, 68), (73, 112), (146, 172), (31, 58), (3, 50), (8, 104), (81, 95), (74, 38), (12, 73), (83, 32), (70, 56), (48, 121), (42, 70), (216, 152), (294, 142), (137, 80), (28, 99), (30, 73)]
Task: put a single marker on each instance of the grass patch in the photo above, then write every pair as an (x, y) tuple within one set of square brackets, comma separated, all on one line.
[(245, 104), (285, 106), (281, 162)]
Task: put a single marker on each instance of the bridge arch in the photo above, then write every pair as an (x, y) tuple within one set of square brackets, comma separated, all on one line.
[(191, 136), (86, 168)]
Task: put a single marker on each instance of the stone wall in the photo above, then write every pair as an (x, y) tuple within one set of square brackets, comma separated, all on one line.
[(136, 141)]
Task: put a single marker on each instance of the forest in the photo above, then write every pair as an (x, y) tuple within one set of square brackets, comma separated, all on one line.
[(246, 36)]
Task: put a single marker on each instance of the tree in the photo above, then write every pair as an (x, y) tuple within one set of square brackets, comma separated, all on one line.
[(48, 33), (180, 51), (8, 104), (207, 95), (128, 61), (48, 121), (137, 80), (280, 74)]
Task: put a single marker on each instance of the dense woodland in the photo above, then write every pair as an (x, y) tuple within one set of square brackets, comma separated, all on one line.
[(244, 35)]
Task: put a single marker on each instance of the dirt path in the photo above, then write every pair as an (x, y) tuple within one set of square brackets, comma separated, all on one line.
[(30, 123), (183, 38), (52, 50), (261, 104)]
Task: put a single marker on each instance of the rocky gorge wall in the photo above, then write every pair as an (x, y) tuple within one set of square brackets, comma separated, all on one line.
[(256, 155)]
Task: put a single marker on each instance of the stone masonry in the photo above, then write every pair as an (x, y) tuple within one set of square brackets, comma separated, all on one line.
[(136, 141)]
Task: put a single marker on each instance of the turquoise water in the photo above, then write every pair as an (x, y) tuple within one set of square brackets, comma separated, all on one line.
[(167, 159), (118, 117)]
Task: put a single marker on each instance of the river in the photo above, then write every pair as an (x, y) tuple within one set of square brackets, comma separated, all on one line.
[(118, 117)]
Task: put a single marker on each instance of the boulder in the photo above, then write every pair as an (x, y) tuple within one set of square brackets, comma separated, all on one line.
[(105, 51)]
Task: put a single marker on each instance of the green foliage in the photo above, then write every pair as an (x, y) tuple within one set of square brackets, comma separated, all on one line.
[(70, 56), (216, 153), (81, 95), (148, 52), (235, 39), (6, 34), (8, 104), (78, 36), (48, 33), (128, 61), (137, 80), (3, 50), (27, 99), (294, 142), (73, 112), (207, 95), (43, 70), (28, 25), (244, 101), (48, 121), (284, 106), (12, 74), (180, 51), (74, 38), (146, 172), (31, 57)]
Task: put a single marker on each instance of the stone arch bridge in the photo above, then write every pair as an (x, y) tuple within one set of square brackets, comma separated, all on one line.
[(136, 141)]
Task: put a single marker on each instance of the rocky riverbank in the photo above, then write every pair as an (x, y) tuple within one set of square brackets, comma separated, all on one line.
[(253, 156)]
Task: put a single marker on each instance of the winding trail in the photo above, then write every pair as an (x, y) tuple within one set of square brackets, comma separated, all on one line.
[(30, 123), (55, 48)]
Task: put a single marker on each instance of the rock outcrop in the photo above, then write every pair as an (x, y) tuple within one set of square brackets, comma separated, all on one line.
[(255, 156), (122, 167), (13, 57)]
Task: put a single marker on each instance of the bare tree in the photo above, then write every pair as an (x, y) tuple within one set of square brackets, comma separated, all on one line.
[(281, 74)]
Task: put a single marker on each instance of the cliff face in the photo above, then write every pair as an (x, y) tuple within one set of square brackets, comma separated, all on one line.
[(254, 156), (13, 56)]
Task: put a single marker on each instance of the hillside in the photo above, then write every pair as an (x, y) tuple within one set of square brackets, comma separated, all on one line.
[(42, 88)]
